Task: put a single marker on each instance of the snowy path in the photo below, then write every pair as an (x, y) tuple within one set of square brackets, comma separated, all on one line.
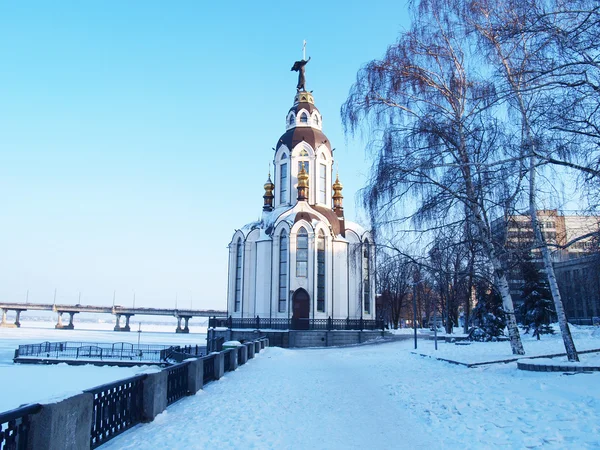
[(377, 397), (283, 399)]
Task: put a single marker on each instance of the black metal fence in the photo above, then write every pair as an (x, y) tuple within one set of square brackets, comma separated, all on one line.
[(92, 350), (209, 368), (257, 323), (227, 360), (14, 427), (117, 407), (193, 350), (586, 321), (177, 382)]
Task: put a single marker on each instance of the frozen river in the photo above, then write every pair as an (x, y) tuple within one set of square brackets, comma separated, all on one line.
[(36, 383)]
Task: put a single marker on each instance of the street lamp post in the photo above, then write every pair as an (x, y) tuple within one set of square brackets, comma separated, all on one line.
[(435, 324), (415, 311)]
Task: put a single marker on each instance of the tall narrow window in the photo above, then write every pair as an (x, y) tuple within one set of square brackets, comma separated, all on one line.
[(238, 275), (283, 183), (304, 118), (283, 271), (321, 272), (302, 253), (322, 183), (366, 279)]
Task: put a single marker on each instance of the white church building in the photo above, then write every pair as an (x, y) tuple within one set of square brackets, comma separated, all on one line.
[(303, 262)]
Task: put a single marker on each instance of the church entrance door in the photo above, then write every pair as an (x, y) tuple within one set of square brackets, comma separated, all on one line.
[(301, 310)]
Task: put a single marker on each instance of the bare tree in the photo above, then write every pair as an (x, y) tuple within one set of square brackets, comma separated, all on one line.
[(501, 26), (394, 275), (434, 155)]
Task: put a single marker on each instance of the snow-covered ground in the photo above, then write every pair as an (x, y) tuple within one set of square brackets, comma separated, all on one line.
[(24, 383), (383, 396), (585, 338)]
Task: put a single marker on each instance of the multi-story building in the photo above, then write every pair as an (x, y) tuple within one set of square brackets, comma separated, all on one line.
[(579, 284), (515, 233)]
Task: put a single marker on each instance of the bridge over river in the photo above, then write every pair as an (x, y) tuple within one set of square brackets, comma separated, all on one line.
[(116, 310)]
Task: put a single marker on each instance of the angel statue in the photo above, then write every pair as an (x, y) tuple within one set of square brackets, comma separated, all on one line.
[(299, 67)]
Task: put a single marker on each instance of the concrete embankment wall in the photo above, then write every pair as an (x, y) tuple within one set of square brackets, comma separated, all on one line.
[(90, 419), (299, 338)]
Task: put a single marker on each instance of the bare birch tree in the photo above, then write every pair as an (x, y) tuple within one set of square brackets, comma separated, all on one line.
[(437, 135), (501, 26)]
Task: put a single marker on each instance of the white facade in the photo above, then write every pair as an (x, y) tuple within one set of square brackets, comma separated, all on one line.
[(302, 260)]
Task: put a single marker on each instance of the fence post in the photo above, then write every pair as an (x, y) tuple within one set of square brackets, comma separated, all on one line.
[(219, 365), (195, 376), (329, 324), (229, 322), (257, 323), (250, 346), (63, 425), (155, 395), (233, 359), (243, 354)]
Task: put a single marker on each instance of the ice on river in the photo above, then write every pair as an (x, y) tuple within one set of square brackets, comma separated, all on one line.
[(25, 383)]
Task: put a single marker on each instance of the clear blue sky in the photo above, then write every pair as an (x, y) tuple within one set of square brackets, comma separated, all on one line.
[(135, 136)]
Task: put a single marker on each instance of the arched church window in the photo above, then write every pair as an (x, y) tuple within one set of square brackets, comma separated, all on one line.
[(366, 278), (321, 272), (238, 275), (283, 271), (283, 169), (302, 253), (316, 119), (303, 118), (291, 119)]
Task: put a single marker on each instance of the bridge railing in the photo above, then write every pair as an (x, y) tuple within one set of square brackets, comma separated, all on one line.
[(258, 323), (14, 427)]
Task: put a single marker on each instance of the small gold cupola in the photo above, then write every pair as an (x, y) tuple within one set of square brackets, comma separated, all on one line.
[(268, 197), (338, 197), (302, 184)]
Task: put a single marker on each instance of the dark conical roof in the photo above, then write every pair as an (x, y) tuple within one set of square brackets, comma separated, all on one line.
[(303, 133)]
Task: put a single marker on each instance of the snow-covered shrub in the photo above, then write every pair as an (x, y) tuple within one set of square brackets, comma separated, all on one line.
[(489, 319)]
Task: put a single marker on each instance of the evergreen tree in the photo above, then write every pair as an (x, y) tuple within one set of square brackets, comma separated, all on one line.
[(537, 310), (488, 317)]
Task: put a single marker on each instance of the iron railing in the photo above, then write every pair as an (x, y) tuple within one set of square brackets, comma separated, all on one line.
[(209, 368), (92, 350), (227, 360), (329, 324), (585, 321), (117, 407), (193, 350), (14, 427), (177, 382)]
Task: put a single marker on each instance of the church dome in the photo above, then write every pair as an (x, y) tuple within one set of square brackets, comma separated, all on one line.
[(295, 136), (303, 124)]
